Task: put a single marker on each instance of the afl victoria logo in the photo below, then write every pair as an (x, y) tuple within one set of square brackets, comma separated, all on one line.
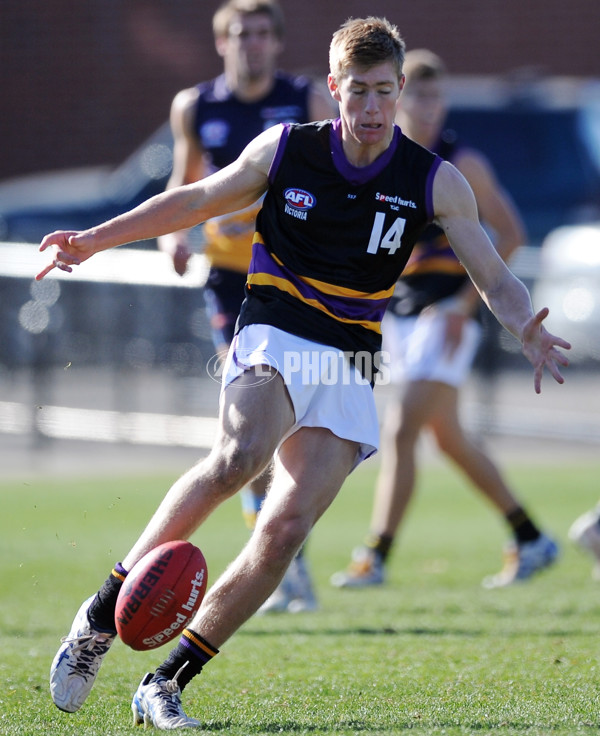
[(300, 199)]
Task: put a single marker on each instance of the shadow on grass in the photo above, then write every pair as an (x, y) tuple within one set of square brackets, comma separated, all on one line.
[(353, 726)]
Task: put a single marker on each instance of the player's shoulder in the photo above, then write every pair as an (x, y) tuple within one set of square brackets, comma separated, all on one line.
[(452, 193), (265, 144), (183, 105), (186, 96), (449, 175), (185, 99)]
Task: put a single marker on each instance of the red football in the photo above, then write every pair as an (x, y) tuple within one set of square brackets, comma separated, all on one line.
[(160, 595)]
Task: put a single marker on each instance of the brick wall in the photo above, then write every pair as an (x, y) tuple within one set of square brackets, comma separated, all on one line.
[(84, 83)]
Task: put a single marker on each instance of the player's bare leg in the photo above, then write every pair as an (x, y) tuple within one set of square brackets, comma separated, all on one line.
[(310, 468), (243, 446), (295, 592), (309, 471)]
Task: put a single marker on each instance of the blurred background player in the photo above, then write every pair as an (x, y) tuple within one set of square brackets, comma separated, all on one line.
[(211, 124), (431, 332), (585, 532)]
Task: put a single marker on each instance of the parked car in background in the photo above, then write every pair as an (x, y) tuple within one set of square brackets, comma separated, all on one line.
[(548, 158)]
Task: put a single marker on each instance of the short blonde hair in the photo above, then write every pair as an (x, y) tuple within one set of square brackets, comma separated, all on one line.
[(225, 14), (365, 43)]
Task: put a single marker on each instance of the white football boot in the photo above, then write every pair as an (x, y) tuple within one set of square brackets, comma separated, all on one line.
[(585, 532), (158, 704), (76, 664)]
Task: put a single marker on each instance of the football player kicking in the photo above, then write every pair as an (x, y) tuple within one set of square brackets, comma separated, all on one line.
[(344, 202)]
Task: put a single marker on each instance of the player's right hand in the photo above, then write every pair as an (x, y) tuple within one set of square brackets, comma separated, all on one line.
[(68, 250)]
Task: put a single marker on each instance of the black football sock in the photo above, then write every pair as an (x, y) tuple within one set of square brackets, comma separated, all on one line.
[(381, 544), (101, 613), (522, 526), (191, 654)]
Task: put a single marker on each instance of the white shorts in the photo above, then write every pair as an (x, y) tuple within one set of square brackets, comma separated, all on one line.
[(415, 348), (325, 389)]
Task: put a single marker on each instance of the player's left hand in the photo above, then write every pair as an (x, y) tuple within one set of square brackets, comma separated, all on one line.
[(540, 348)]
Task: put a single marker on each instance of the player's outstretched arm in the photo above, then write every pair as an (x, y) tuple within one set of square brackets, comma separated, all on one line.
[(236, 186), (505, 295)]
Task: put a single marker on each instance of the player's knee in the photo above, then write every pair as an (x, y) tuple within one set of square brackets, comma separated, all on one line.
[(237, 462)]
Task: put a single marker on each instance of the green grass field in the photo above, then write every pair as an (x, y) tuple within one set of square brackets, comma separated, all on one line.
[(430, 653)]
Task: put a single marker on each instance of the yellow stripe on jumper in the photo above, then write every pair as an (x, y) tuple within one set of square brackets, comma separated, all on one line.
[(334, 290), (265, 279)]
